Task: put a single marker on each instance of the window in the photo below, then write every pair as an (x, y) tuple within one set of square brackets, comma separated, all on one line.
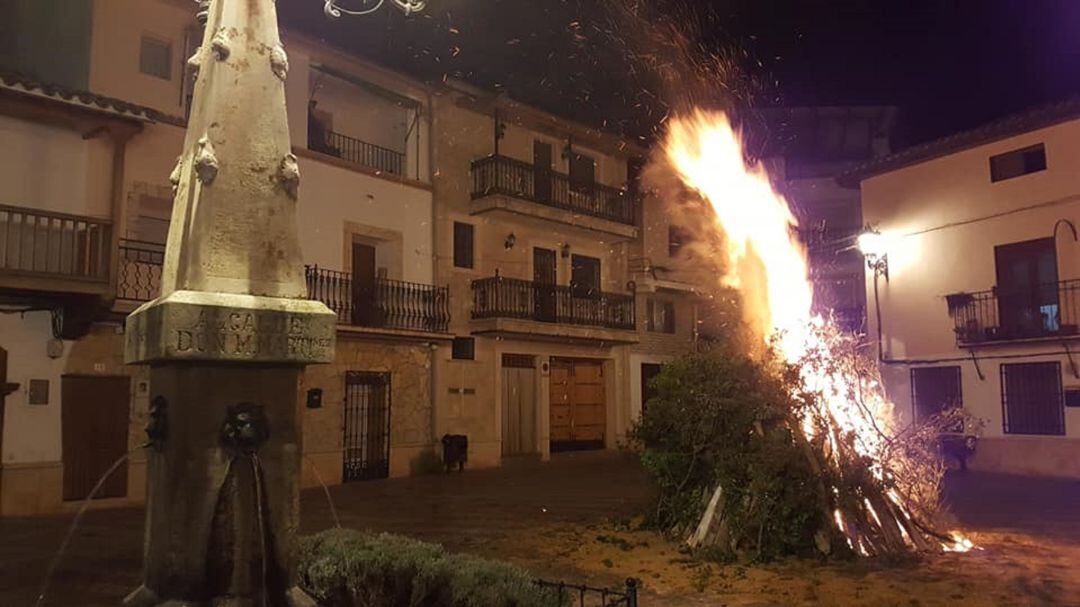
[(660, 316), (1018, 162), (1031, 398), (463, 245), (582, 173), (155, 58), (935, 390), (677, 238), (585, 277), (1027, 289), (464, 348)]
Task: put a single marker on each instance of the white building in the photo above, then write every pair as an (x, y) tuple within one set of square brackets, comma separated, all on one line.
[(981, 303)]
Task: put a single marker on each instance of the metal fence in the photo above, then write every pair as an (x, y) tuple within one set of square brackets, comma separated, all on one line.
[(1048, 310), (54, 244), (575, 595), (358, 151), (139, 270), (511, 177), (390, 304), (501, 297)]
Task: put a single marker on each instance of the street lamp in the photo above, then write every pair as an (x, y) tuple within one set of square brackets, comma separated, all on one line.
[(874, 247), (406, 6)]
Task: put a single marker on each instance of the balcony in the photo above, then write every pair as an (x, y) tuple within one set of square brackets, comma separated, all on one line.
[(1048, 311), (499, 182), (356, 151), (511, 306), (383, 304), (43, 251)]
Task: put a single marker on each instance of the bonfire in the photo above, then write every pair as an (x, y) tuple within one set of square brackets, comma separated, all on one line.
[(878, 481)]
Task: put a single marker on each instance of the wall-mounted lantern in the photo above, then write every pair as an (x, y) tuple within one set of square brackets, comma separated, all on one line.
[(873, 246), (511, 240)]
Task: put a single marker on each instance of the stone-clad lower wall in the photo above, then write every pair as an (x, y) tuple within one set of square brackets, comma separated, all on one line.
[(411, 441)]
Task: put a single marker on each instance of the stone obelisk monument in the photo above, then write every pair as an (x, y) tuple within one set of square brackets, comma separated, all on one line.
[(229, 336)]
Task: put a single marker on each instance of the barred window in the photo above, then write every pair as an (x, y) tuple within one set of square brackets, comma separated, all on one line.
[(464, 348), (1031, 398), (935, 390)]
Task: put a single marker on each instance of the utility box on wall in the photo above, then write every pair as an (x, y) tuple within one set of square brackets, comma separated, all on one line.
[(38, 392)]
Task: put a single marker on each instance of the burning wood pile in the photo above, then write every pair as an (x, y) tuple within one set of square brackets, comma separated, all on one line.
[(818, 460)]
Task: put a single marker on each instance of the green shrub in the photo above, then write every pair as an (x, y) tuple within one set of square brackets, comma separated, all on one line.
[(348, 568), (720, 417)]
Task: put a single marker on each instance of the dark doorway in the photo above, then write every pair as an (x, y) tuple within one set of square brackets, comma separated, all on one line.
[(542, 171), (366, 442), (585, 277), (94, 433), (648, 371), (582, 173), (365, 312), (1027, 288), (544, 279)]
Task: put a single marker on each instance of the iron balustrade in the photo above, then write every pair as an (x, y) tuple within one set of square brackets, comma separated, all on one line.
[(138, 276), (357, 151), (54, 244), (580, 595), (501, 175), (386, 304), (1048, 310), (501, 297)]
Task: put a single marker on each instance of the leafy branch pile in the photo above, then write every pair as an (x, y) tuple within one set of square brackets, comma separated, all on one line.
[(740, 450)]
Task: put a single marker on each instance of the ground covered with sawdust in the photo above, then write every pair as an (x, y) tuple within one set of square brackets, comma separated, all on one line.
[(1008, 569)]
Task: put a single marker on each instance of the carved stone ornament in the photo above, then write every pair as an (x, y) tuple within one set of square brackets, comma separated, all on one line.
[(206, 162), (279, 62)]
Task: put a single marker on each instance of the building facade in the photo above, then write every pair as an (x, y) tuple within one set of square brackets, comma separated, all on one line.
[(506, 288), (979, 292), (86, 202)]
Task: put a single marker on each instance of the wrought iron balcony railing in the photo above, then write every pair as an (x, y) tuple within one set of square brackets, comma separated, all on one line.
[(382, 303), (58, 245), (138, 276), (501, 297), (495, 175), (357, 151), (1048, 310)]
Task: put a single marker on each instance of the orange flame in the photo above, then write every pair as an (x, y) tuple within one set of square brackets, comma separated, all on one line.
[(767, 263)]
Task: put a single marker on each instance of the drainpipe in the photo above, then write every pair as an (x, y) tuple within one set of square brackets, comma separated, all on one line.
[(120, 141), (436, 274)]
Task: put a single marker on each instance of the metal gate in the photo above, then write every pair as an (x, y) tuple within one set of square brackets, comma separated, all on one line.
[(367, 426)]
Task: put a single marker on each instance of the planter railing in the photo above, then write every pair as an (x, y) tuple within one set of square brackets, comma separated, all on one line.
[(579, 595), (1048, 310), (501, 297), (382, 303), (54, 244), (357, 151), (139, 270), (501, 175)]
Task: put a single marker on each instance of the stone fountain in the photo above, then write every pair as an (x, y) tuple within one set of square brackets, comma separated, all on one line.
[(229, 336)]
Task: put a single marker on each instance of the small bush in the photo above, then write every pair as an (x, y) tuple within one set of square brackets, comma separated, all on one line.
[(348, 568), (719, 417)]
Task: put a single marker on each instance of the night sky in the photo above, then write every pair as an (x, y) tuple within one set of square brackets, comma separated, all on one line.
[(625, 64)]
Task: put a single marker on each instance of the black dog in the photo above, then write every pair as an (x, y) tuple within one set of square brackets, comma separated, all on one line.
[(957, 447), (455, 451)]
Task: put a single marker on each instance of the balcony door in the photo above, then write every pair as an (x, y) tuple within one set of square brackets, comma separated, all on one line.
[(544, 279), (365, 310), (542, 171), (1027, 288)]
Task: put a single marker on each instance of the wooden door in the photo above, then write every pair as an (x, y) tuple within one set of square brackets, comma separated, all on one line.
[(3, 395), (542, 171), (364, 305), (578, 404), (544, 278), (518, 405), (94, 425)]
